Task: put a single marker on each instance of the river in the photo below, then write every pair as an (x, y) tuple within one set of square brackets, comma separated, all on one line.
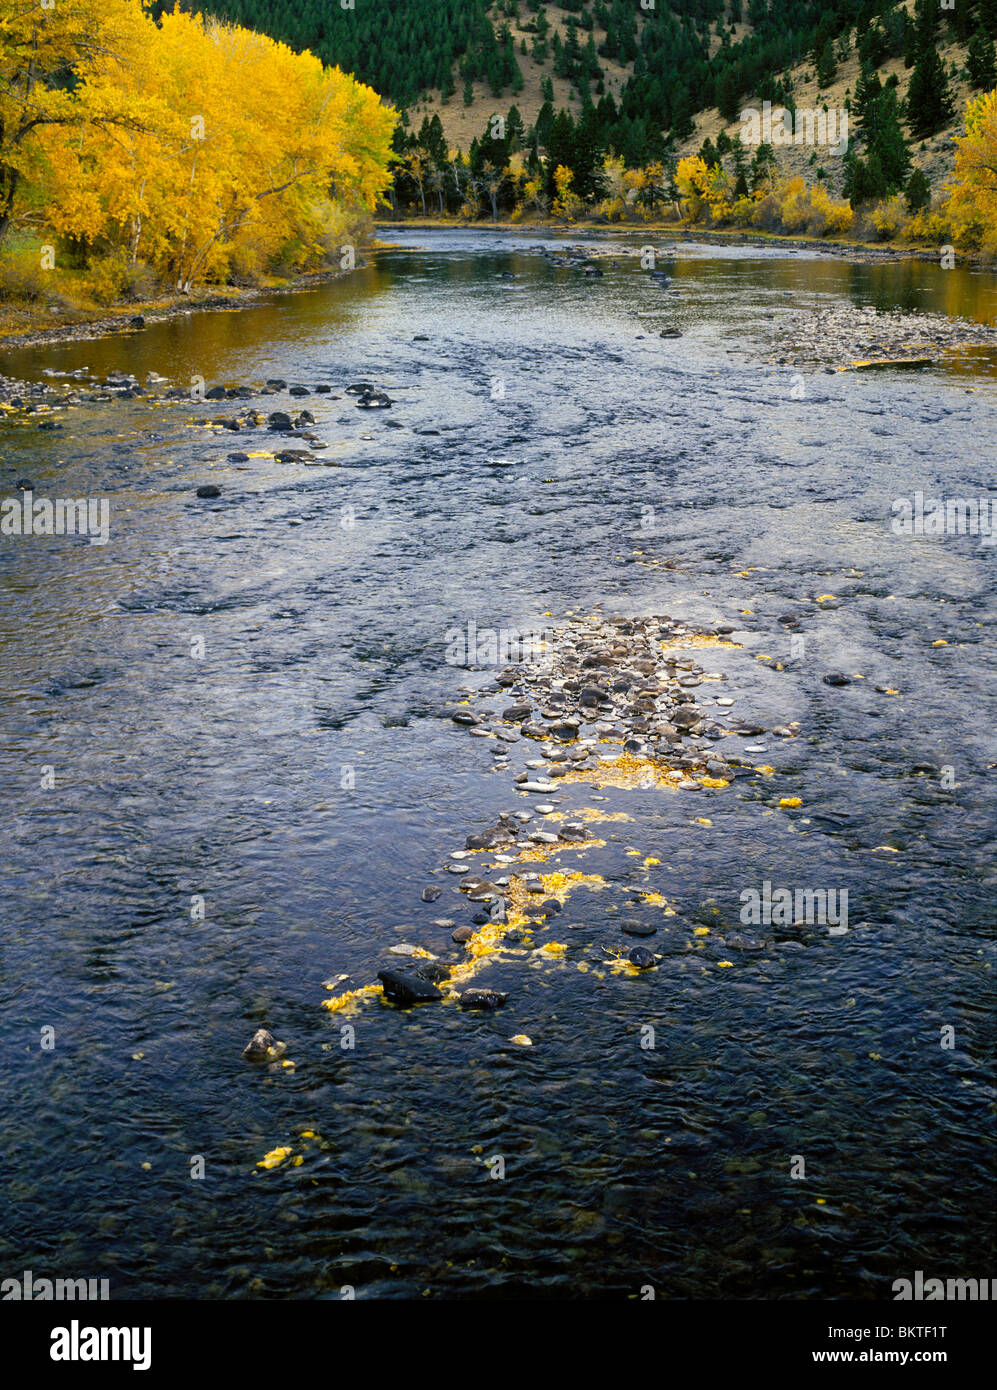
[(247, 701)]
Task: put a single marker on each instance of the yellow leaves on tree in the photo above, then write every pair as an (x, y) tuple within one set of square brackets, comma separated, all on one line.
[(972, 202), (566, 205), (39, 48), (199, 147), (704, 187)]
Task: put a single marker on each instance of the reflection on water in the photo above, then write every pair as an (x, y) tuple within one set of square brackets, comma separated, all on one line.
[(615, 468)]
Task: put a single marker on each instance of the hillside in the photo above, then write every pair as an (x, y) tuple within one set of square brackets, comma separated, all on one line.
[(599, 103)]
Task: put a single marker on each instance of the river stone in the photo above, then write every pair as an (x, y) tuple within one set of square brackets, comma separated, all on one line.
[(837, 678), (634, 928), (641, 957), (429, 895), (260, 1046), (482, 999), (209, 490), (433, 970), (407, 989), (462, 934)]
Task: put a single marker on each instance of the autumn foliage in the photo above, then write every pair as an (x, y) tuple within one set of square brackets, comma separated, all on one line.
[(196, 148)]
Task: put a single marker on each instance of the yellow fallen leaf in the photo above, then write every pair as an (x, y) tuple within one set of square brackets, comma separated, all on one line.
[(521, 1040), (274, 1158), (553, 948), (652, 861), (939, 643), (790, 801), (722, 963), (700, 931), (822, 598)]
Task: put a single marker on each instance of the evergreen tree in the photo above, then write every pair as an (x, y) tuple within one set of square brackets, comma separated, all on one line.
[(981, 60), (929, 105), (918, 191), (885, 140), (826, 67)]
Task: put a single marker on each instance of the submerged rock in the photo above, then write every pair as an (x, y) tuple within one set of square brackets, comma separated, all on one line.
[(482, 999)]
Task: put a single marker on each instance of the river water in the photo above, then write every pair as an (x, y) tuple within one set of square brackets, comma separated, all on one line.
[(304, 778)]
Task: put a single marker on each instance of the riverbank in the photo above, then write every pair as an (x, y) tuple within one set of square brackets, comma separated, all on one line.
[(866, 251), (21, 323)]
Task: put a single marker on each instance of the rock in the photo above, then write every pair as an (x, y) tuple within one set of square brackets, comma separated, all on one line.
[(137, 321), (238, 458), (215, 393), (837, 678), (261, 1046), (482, 999), (276, 383), (517, 712), (462, 934), (738, 942), (633, 928), (209, 490), (405, 990), (429, 895), (434, 971), (641, 957), (299, 391), (280, 420)]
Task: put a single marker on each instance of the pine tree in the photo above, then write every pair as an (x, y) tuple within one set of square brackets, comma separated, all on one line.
[(929, 105), (981, 60), (885, 140), (826, 67), (918, 191)]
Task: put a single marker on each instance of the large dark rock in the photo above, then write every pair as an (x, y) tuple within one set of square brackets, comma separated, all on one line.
[(407, 989)]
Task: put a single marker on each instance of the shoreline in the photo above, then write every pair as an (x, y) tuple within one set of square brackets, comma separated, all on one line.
[(132, 318), (856, 250)]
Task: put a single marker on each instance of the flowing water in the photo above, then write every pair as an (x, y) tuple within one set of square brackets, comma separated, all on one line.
[(304, 778)]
